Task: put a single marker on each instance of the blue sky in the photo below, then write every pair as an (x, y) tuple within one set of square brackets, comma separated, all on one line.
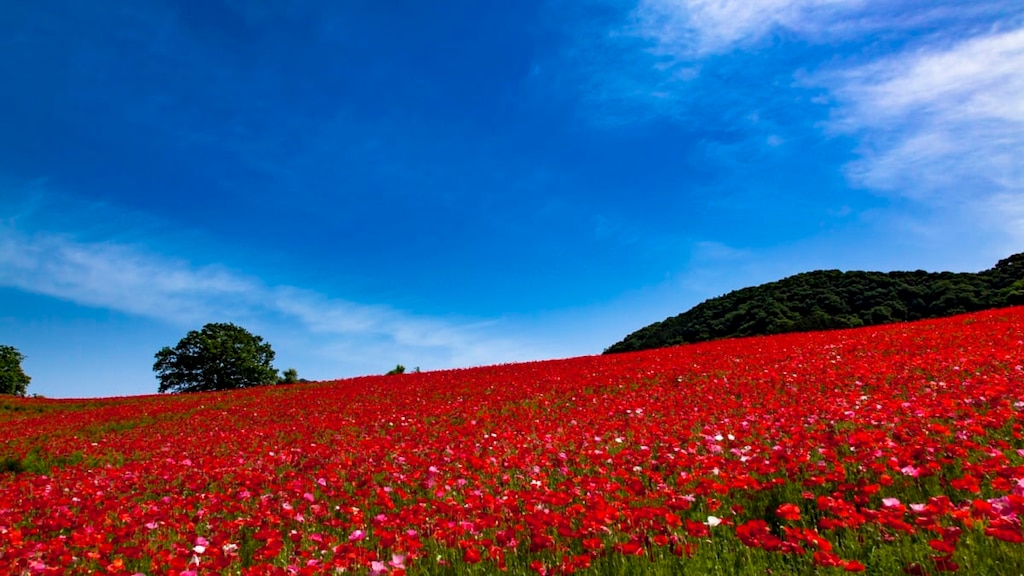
[(448, 184)]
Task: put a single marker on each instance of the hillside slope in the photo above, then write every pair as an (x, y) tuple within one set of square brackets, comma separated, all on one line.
[(827, 299), (819, 453)]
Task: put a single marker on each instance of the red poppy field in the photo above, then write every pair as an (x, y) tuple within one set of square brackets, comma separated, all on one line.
[(886, 450)]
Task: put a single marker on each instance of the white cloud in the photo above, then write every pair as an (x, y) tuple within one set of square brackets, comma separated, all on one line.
[(115, 276), (712, 251), (692, 28), (939, 121), (942, 124), (646, 62), (131, 280), (1004, 210)]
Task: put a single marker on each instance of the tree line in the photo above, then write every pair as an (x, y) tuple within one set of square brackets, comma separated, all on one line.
[(224, 356), (831, 299), (220, 356)]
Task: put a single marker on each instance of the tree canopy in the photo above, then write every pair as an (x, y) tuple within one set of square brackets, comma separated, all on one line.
[(218, 357), (827, 299), (13, 379)]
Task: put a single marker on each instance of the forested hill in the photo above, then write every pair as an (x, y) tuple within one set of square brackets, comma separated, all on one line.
[(827, 299)]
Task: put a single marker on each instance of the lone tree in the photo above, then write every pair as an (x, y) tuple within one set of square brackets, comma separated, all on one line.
[(219, 357), (13, 379)]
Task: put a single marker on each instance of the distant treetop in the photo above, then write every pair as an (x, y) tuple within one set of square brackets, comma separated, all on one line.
[(13, 379), (218, 357), (289, 376)]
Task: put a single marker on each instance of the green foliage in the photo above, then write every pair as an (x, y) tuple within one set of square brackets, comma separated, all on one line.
[(219, 357), (289, 376), (831, 299), (396, 370), (13, 379), (38, 461)]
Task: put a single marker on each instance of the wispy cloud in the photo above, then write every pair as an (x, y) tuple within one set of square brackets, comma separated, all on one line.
[(645, 61), (689, 29), (118, 277), (946, 114), (1006, 210), (943, 123), (132, 280), (931, 94), (712, 251), (940, 125), (693, 29), (664, 58)]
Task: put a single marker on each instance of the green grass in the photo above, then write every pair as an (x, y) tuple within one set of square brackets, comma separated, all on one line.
[(39, 462)]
